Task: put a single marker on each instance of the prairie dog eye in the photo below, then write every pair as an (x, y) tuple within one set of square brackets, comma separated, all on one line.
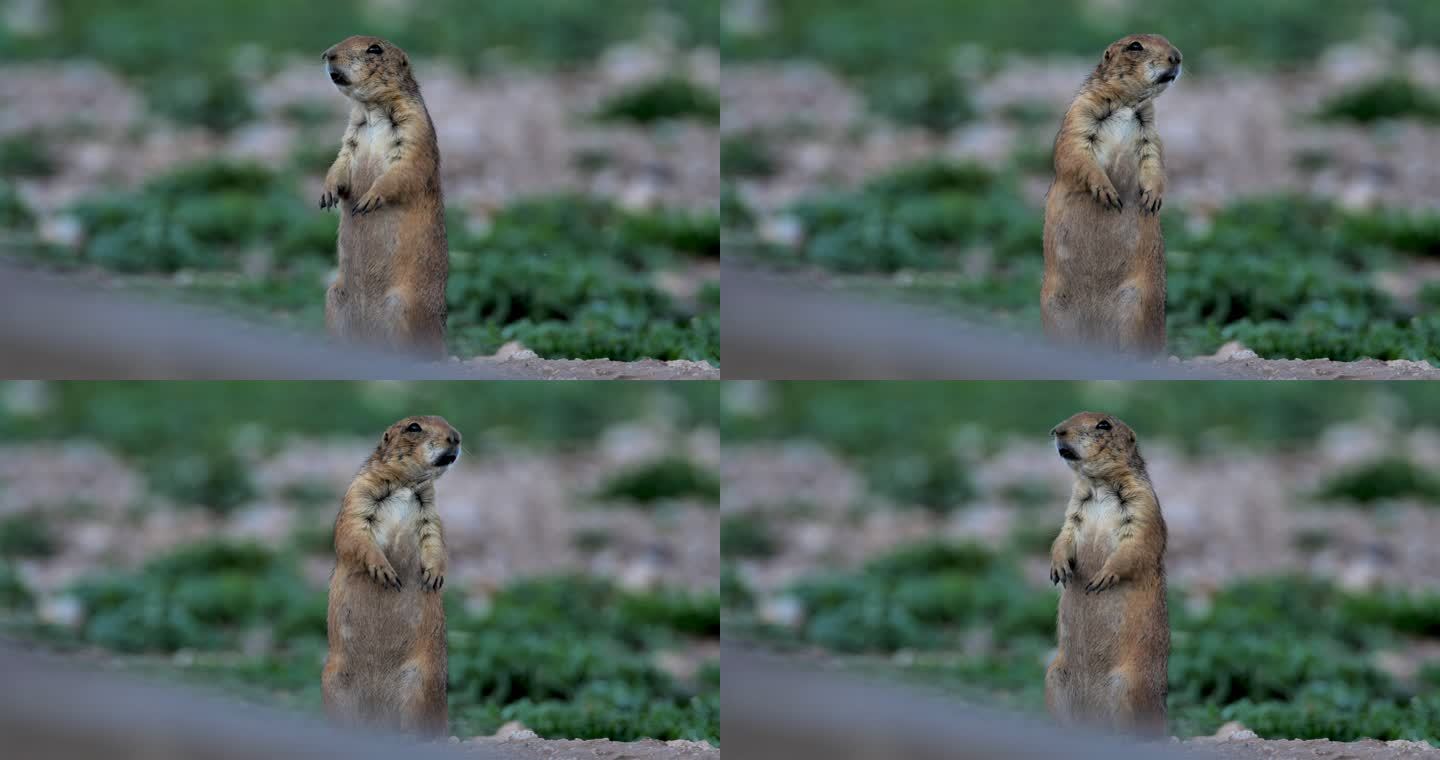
[(1135, 47), (377, 50), (414, 428), (1102, 425)]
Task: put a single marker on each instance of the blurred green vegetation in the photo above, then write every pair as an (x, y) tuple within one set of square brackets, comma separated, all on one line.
[(1387, 98), (570, 657), (572, 277), (26, 535), (917, 448), (662, 99), (14, 597), (198, 451), (904, 56), (856, 418), (193, 60), (568, 276), (931, 479), (1384, 479), (743, 536), (26, 155), (201, 217), (1287, 657), (15, 217), (661, 480), (747, 155), (1289, 277)]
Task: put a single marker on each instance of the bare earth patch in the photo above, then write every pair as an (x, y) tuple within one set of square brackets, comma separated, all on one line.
[(596, 749), (1319, 369), (1236, 362), (1227, 745), (523, 364)]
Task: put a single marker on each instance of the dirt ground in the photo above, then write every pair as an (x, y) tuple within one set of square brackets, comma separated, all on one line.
[(1236, 362), (1256, 368), (523, 364), (1310, 749), (599, 749), (1234, 742), (535, 368)]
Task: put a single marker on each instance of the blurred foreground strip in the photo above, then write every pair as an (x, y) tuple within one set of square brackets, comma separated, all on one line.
[(54, 710), (52, 329), (773, 709), (779, 328)]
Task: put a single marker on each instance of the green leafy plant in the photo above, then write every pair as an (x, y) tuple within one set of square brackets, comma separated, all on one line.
[(660, 100), (27, 535), (27, 155), (664, 479), (1388, 98), (747, 536), (1384, 479)]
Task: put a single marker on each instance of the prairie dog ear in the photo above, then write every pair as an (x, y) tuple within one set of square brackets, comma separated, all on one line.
[(386, 438), (1109, 53)]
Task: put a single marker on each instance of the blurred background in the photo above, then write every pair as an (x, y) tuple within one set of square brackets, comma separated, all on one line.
[(902, 150), (903, 533), (183, 531), (175, 150)]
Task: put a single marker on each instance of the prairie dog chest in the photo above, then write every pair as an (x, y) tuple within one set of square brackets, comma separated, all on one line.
[(1100, 520), (1117, 138), (375, 142), (396, 519)]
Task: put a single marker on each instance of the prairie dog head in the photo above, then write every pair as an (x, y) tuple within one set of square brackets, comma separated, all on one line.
[(1141, 65), (366, 68), (1094, 444), (421, 447)]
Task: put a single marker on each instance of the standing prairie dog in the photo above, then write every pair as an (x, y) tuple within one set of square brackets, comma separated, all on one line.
[(387, 663), (1111, 667), (394, 258), (1104, 283)]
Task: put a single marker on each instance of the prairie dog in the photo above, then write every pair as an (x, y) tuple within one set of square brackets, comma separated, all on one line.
[(393, 254), (1111, 668), (387, 663), (1104, 282)]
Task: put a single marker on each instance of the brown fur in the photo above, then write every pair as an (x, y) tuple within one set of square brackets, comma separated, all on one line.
[(1112, 664), (394, 258), (387, 661), (1104, 283)]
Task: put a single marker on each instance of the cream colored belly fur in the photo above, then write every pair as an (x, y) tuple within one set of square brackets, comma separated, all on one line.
[(1100, 518), (396, 524)]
